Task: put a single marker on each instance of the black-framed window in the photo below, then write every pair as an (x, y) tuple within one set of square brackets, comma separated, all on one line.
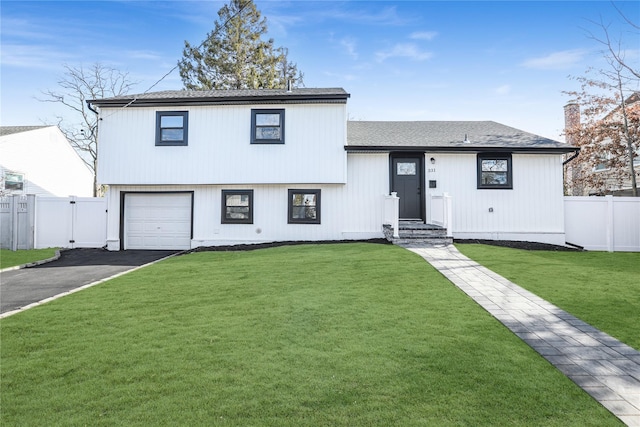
[(237, 206), (172, 127), (267, 126), (495, 171), (304, 206)]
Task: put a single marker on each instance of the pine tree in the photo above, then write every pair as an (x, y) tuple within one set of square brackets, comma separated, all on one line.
[(235, 56)]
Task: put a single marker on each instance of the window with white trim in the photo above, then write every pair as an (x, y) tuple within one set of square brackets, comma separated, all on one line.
[(13, 181)]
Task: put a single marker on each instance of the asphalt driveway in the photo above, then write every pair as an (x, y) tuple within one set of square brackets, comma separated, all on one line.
[(74, 268)]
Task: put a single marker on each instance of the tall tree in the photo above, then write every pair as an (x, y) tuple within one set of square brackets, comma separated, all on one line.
[(609, 132), (80, 125), (235, 56)]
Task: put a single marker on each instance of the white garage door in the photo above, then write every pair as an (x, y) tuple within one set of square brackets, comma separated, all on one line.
[(157, 221)]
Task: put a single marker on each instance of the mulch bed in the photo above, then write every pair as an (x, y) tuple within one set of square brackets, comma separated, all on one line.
[(529, 246)]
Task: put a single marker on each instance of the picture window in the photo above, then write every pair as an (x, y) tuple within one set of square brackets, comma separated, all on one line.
[(494, 171)]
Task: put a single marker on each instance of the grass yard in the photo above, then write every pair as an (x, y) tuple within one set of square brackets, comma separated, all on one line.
[(601, 288), (12, 258), (311, 335)]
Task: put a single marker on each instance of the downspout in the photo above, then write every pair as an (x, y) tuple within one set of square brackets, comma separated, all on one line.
[(564, 170), (576, 154), (91, 108), (95, 163)]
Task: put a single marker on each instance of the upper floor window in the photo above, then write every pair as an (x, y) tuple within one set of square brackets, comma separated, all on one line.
[(172, 127), (237, 206), (304, 207), (494, 171), (267, 126)]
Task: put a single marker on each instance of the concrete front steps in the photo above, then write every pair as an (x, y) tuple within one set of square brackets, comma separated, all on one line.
[(417, 233)]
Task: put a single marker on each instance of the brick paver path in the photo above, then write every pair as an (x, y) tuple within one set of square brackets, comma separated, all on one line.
[(604, 367)]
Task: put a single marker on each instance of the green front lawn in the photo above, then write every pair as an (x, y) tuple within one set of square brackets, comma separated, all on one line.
[(601, 288), (311, 335), (12, 258)]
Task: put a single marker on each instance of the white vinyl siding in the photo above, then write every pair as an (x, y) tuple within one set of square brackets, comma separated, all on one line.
[(533, 206), (220, 149)]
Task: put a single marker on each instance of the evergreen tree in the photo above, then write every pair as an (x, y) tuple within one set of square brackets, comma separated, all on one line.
[(234, 55)]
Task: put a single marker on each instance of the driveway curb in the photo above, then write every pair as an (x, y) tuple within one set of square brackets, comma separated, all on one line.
[(33, 264)]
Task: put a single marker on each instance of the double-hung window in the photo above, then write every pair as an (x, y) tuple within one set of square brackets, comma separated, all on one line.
[(494, 171), (172, 127), (237, 206), (267, 126), (304, 207)]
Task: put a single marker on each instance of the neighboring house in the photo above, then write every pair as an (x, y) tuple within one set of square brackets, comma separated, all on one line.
[(39, 160), (607, 175), (205, 168)]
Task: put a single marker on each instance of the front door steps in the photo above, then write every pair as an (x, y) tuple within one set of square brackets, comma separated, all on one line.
[(417, 233)]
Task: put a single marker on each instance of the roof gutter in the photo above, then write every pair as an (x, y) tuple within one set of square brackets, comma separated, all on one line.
[(338, 98), (459, 148)]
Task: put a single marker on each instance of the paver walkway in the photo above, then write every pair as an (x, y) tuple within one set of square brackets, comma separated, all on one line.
[(604, 367)]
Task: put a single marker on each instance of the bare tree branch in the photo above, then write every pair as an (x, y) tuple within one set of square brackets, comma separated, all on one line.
[(80, 126)]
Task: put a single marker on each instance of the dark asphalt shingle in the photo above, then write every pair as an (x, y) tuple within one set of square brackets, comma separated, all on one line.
[(444, 134)]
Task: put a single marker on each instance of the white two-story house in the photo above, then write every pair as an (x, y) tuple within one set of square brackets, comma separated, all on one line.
[(208, 168)]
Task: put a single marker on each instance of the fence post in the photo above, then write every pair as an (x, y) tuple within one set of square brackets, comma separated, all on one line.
[(448, 213), (74, 220), (15, 201), (31, 221), (610, 224), (391, 212)]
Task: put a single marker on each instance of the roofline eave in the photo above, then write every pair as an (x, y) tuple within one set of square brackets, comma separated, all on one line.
[(467, 149), (224, 100)]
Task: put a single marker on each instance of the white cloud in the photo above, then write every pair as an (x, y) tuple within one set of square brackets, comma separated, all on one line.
[(423, 35), (148, 55), (404, 50), (30, 56), (503, 90), (350, 46), (556, 60)]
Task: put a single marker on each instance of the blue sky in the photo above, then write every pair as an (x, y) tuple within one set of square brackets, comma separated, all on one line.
[(506, 61)]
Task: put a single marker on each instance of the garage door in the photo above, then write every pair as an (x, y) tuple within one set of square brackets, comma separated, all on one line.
[(157, 221)]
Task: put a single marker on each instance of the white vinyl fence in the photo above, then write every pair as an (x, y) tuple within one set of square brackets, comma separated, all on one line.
[(17, 222), (29, 222), (603, 223), (440, 211)]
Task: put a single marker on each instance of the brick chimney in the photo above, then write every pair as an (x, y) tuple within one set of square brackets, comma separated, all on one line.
[(571, 118)]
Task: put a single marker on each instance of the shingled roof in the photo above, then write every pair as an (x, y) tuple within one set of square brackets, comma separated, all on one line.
[(8, 130), (226, 97), (446, 136)]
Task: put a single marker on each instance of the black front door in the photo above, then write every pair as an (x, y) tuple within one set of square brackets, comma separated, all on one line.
[(406, 180)]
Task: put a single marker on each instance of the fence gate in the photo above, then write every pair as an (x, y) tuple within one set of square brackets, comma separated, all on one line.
[(17, 215), (71, 222)]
